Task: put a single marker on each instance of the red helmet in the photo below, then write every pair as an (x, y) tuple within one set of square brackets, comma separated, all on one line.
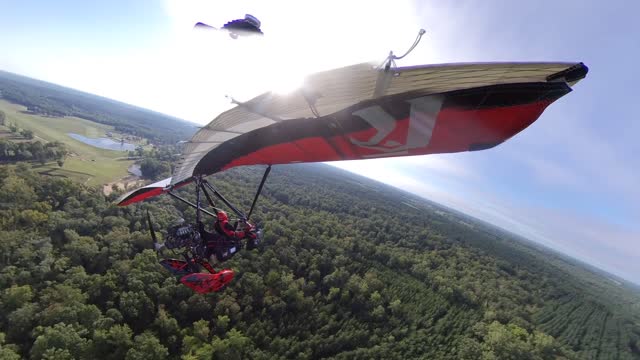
[(222, 216)]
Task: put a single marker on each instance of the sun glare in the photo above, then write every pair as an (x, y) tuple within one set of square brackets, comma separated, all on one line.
[(212, 66)]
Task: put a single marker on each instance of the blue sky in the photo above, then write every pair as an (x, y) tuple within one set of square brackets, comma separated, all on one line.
[(569, 181)]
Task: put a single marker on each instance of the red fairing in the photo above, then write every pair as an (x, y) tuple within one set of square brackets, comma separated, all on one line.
[(177, 267), (205, 283)]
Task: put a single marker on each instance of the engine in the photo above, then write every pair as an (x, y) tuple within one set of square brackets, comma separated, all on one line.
[(182, 236)]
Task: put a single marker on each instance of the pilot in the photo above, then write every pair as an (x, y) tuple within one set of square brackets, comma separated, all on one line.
[(226, 241)]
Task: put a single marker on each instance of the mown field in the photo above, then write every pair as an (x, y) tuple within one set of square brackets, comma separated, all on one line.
[(85, 163)]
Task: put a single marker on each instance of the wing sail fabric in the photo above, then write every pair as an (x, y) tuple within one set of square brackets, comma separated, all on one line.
[(144, 192), (358, 112), (365, 113)]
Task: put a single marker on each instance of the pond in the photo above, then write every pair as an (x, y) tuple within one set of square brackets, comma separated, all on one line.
[(104, 143)]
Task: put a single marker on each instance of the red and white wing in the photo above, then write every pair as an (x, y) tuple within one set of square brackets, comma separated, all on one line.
[(359, 112)]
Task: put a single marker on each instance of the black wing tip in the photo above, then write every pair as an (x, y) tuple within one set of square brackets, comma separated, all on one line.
[(483, 146), (574, 73)]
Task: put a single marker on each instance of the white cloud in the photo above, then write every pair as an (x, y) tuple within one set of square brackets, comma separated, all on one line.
[(439, 164), (552, 172)]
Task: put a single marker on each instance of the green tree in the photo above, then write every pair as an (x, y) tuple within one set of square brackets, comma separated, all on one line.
[(82, 250), (27, 134), (15, 192), (469, 349), (196, 345), (168, 330), (222, 323), (113, 343), (7, 351), (62, 337), (15, 297), (147, 347), (513, 342), (21, 322), (32, 218), (57, 354), (137, 307), (235, 346), (153, 169)]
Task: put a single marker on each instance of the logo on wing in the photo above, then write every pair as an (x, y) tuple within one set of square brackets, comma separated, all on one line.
[(422, 119)]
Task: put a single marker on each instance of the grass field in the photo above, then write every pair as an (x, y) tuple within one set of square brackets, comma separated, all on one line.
[(86, 163)]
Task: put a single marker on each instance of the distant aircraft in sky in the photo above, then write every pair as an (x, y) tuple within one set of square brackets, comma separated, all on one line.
[(249, 26)]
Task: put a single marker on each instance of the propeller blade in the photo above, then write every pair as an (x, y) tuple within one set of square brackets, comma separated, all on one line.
[(153, 233)]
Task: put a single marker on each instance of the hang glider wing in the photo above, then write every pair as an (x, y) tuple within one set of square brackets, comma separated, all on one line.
[(359, 112), (145, 192)]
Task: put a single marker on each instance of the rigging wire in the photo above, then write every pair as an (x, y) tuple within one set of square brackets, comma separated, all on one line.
[(391, 58)]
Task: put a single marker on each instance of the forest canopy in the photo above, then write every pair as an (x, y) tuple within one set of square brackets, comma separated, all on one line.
[(32, 151), (347, 270)]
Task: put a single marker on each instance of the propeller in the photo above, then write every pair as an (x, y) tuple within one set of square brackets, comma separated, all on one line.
[(157, 246)]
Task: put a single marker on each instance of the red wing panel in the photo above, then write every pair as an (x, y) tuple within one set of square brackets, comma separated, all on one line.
[(399, 125), (455, 131), (139, 195), (462, 130), (149, 191)]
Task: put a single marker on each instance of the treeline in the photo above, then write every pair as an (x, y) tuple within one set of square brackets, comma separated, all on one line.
[(157, 163), (25, 133), (32, 151), (52, 100), (346, 271)]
